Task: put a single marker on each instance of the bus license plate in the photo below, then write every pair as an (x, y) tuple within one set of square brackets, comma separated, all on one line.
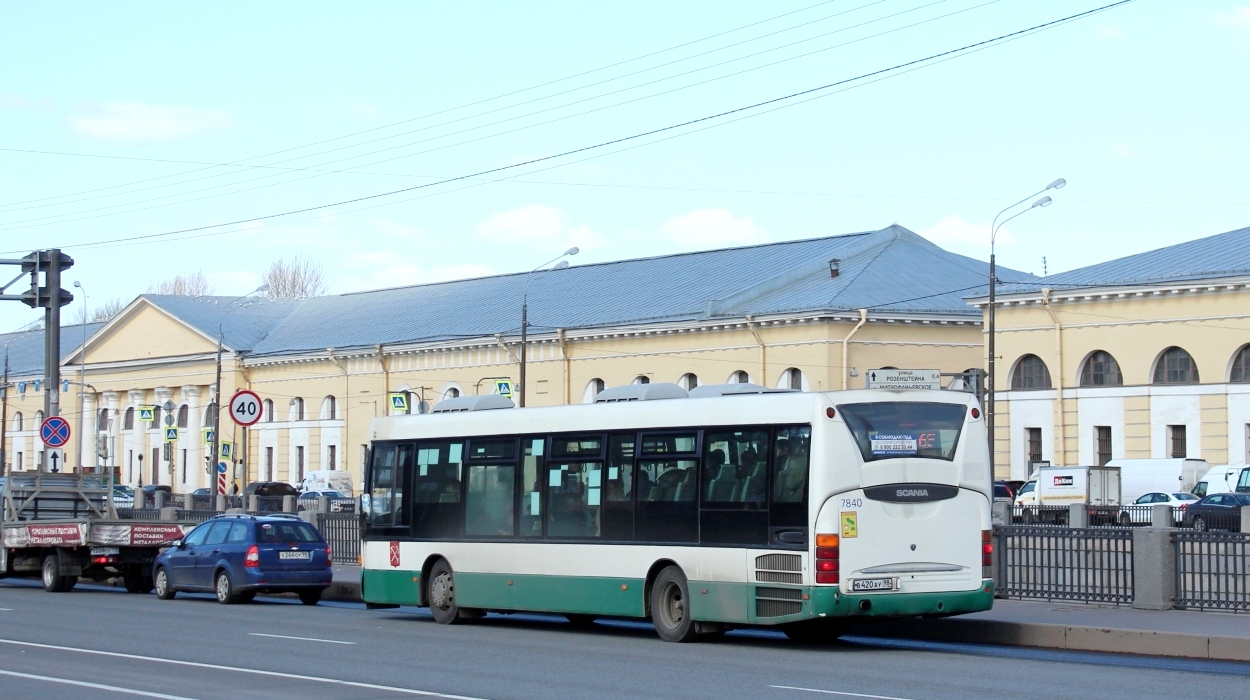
[(295, 555), (874, 584), (105, 551)]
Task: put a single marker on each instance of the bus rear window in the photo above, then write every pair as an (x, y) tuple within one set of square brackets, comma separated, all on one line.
[(888, 430)]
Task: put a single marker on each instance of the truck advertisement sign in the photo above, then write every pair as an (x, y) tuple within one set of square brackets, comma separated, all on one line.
[(125, 534), (43, 535)]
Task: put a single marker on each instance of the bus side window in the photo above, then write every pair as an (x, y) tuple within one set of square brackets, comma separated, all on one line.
[(533, 460), (436, 490), (618, 490), (489, 501), (381, 486), (575, 495), (790, 459)]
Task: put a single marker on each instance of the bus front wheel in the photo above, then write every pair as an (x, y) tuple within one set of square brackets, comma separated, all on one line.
[(670, 606), (441, 593)]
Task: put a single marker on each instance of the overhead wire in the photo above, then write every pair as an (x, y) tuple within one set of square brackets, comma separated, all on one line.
[(878, 75), (238, 163), (11, 225)]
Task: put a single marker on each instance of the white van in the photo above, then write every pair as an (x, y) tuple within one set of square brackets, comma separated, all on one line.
[(332, 480), (1142, 476), (1220, 479)]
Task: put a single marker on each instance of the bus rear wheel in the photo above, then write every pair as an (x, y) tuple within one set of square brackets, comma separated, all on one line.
[(441, 592), (670, 606)]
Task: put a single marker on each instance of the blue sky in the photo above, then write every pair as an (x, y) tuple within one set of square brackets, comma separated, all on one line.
[(1141, 108)]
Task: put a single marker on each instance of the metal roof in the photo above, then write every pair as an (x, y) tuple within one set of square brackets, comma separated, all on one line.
[(243, 321), (890, 270), (1213, 257), (25, 349)]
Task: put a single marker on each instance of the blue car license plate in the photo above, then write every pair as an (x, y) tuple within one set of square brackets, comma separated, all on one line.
[(302, 556)]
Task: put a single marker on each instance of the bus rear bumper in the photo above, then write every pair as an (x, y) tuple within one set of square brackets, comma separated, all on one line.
[(829, 601)]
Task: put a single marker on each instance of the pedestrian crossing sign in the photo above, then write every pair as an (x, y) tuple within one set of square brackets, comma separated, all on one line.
[(147, 414), (399, 402), (503, 387), (225, 450), (171, 435)]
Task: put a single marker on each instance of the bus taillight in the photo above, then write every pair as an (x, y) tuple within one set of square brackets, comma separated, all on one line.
[(826, 559), (987, 549)]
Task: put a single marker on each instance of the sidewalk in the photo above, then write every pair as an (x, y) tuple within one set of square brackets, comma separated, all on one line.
[(1049, 625)]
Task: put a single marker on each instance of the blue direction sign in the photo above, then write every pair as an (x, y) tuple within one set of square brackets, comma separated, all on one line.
[(221, 467), (54, 432)]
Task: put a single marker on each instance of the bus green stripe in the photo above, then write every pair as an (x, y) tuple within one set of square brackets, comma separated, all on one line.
[(391, 586), (568, 594)]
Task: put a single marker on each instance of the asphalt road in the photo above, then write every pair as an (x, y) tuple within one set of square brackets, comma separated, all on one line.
[(102, 643)]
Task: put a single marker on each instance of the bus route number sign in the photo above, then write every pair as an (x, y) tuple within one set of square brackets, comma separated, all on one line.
[(245, 408)]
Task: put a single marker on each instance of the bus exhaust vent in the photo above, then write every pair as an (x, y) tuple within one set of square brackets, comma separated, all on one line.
[(779, 568), (640, 392), (775, 602), (706, 390), (484, 402)]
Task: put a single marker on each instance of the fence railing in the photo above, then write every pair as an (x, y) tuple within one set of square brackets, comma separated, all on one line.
[(139, 513), (1060, 563), (1040, 515), (1212, 570), (342, 532), (197, 516)]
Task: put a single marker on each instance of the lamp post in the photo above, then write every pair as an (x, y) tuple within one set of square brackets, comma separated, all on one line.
[(216, 442), (994, 227), (82, 376), (525, 311)]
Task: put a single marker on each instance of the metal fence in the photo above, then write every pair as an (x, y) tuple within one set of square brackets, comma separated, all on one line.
[(342, 532), (1059, 563), (1040, 515), (198, 516), (1212, 570), (139, 513)]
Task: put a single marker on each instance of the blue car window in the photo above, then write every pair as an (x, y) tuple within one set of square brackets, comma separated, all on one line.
[(288, 532), (238, 533), (197, 535), (217, 535)]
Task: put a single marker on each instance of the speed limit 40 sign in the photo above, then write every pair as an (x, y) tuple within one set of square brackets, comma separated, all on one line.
[(245, 408)]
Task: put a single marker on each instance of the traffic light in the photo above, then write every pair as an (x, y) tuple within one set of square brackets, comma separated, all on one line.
[(51, 262)]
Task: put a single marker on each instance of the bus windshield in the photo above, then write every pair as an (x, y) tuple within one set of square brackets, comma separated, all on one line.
[(889, 430)]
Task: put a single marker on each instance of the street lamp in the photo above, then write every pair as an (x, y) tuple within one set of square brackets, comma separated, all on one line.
[(236, 304), (525, 310), (82, 376), (994, 227)]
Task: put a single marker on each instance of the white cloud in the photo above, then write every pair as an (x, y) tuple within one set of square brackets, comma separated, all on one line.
[(22, 102), (1239, 18), (712, 228), (1122, 151), (137, 121), (402, 232), (953, 231), (537, 223), (232, 283), (382, 269)]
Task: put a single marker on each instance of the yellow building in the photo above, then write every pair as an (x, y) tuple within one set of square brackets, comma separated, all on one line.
[(811, 314), (1146, 356)]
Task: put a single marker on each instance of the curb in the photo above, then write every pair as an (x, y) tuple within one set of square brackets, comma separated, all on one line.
[(1067, 637)]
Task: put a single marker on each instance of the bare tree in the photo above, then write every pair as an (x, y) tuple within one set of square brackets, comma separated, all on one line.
[(102, 313), (190, 285), (298, 279)]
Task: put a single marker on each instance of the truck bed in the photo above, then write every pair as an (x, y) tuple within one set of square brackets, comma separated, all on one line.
[(78, 532)]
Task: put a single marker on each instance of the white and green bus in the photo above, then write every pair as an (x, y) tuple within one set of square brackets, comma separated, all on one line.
[(726, 507)]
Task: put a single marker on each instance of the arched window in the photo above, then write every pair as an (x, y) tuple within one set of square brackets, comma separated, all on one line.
[(38, 419), (593, 387), (688, 381), (1101, 369), (1241, 366), (1175, 366), (739, 377), (791, 379), (210, 416), (102, 420), (267, 410), (297, 409), (451, 392), (17, 422), (184, 416), (1030, 373), (329, 408), (128, 422), (642, 379)]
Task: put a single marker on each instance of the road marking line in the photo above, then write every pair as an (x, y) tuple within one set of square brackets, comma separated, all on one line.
[(837, 692), (7, 609), (235, 669), (302, 639), (96, 686)]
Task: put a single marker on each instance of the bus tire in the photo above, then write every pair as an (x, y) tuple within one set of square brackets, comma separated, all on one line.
[(441, 593), (670, 609), (814, 631), (53, 581)]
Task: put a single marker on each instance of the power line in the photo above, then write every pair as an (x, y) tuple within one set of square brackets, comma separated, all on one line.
[(450, 109), (879, 74), (9, 225)]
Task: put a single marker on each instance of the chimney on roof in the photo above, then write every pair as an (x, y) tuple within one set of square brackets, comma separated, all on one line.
[(833, 267)]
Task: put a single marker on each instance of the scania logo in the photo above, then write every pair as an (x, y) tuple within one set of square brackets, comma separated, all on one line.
[(912, 493)]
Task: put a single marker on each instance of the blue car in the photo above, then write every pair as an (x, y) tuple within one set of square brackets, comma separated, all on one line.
[(238, 556)]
